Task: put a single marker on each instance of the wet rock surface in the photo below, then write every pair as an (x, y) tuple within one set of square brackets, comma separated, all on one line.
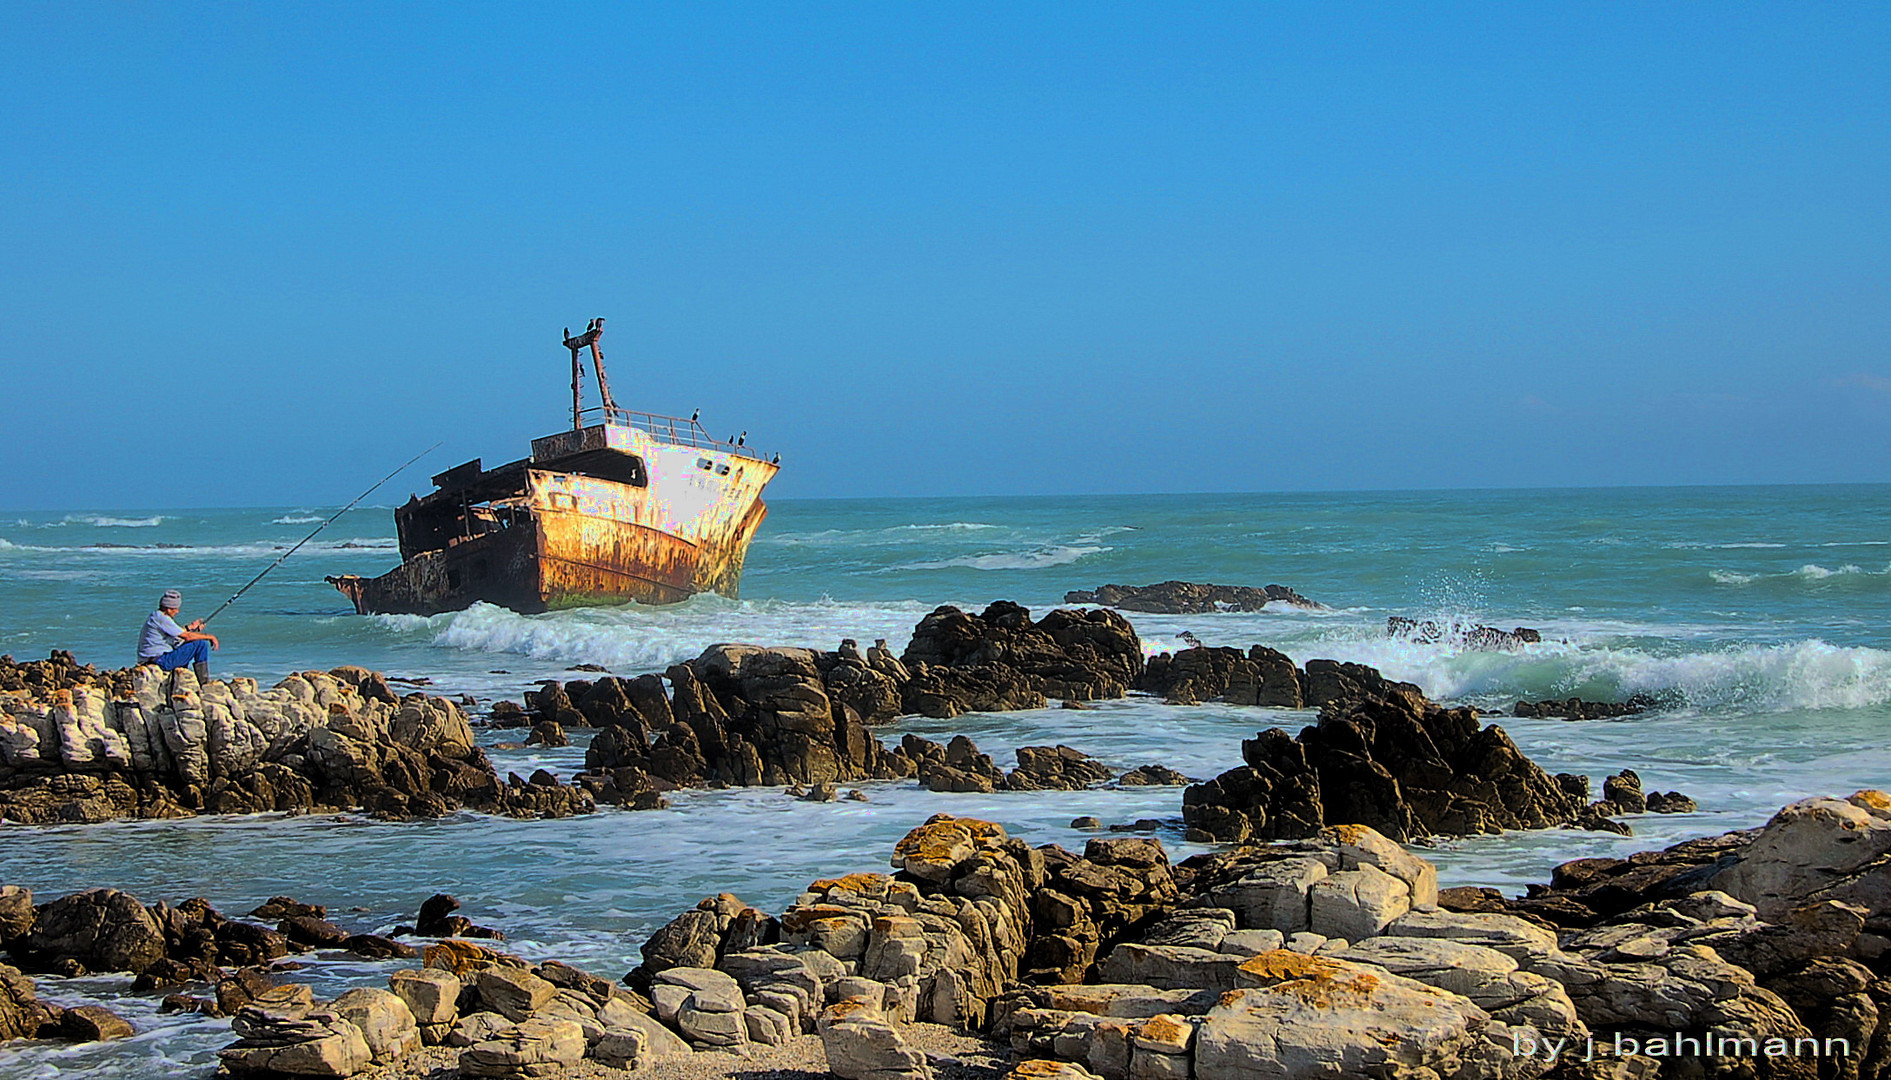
[(1389, 759), (959, 658), (1468, 635), (747, 715), (80, 745), (1578, 709), (1332, 954), (1189, 598), (163, 946), (1381, 754)]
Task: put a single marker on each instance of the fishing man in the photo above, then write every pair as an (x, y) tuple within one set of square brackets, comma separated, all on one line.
[(171, 646)]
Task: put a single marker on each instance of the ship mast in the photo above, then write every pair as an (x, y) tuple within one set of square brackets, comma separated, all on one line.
[(588, 339)]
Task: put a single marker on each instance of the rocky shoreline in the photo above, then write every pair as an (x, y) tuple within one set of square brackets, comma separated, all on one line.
[(1381, 753), (1335, 954), (79, 745), (1113, 960)]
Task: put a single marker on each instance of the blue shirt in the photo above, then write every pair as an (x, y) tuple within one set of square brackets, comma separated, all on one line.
[(161, 635)]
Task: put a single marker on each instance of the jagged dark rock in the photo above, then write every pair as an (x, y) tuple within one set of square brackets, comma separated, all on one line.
[(1578, 709), (1153, 776), (1189, 598), (960, 767), (747, 715), (1391, 760), (999, 658), (438, 918), (1261, 676), (1470, 636), (957, 766), (742, 715), (548, 733)]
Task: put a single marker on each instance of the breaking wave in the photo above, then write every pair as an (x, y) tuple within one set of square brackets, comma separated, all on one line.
[(295, 519), (1810, 674), (101, 521), (882, 537), (631, 638), (1054, 555), (1815, 572), (1809, 574)]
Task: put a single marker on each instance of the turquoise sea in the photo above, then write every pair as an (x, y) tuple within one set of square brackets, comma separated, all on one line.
[(1759, 617)]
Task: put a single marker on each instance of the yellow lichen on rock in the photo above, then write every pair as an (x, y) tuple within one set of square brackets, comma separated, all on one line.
[(1345, 834), (1349, 990), (1042, 1069), (801, 919), (1315, 980), (863, 883), (460, 957), (1165, 1029), (1281, 965), (849, 1008), (943, 842), (1871, 799)]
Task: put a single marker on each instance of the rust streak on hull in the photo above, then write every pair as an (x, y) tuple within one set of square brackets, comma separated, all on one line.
[(601, 514)]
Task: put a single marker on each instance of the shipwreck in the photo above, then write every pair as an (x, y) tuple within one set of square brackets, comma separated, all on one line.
[(624, 506)]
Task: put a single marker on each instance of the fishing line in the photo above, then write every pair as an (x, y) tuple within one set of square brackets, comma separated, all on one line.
[(377, 485)]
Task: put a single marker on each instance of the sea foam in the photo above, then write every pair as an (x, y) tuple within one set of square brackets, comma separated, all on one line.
[(1035, 558), (1808, 674), (632, 638)]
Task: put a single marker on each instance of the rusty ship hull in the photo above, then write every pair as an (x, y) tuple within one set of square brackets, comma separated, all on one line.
[(634, 508)]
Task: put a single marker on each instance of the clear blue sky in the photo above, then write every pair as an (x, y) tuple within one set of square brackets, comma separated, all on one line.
[(259, 254)]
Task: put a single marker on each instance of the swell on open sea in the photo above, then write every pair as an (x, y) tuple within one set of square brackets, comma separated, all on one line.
[(1759, 617)]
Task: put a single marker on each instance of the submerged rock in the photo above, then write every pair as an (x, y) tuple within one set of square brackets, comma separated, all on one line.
[(1470, 636), (1188, 598), (1153, 776), (1578, 709)]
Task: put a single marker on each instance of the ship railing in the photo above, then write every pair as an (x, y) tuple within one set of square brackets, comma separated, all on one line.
[(675, 430)]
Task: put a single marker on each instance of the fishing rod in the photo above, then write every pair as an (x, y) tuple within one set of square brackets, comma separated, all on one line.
[(377, 486)]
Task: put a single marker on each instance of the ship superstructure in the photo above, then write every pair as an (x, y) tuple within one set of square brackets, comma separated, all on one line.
[(624, 506)]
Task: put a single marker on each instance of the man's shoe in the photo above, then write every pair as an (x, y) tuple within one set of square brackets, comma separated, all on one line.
[(202, 669)]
